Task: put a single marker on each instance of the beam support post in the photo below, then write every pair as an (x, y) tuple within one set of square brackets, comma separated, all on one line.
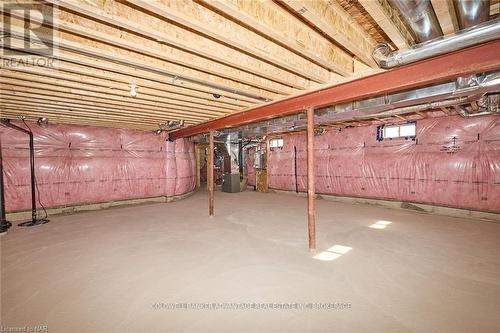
[(210, 173), (311, 192)]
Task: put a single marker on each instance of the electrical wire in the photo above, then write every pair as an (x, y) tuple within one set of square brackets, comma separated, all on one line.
[(34, 176)]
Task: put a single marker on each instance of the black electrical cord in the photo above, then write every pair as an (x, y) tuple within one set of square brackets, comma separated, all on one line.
[(36, 182)]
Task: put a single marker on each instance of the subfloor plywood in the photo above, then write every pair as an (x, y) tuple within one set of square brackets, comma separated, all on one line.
[(104, 271)]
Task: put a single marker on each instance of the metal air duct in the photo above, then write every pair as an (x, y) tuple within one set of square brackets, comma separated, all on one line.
[(481, 33), (420, 17), (471, 12)]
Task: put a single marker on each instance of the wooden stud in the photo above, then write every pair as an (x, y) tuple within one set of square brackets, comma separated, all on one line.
[(475, 106), (311, 193), (445, 110)]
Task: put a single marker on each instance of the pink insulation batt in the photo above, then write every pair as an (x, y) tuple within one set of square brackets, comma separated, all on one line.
[(84, 164), (434, 169)]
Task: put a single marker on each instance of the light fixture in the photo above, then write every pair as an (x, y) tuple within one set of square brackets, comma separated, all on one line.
[(133, 89), (43, 122), (157, 132), (216, 95)]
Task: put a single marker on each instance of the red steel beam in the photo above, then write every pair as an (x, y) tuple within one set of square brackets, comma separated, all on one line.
[(481, 58)]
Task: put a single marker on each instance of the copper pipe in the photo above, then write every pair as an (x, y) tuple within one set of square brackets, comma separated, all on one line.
[(311, 193), (210, 173)]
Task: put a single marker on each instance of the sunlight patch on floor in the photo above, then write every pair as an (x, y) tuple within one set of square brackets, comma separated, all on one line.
[(380, 225), (333, 253)]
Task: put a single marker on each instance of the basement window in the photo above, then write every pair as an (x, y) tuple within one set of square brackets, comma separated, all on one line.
[(276, 143), (407, 131)]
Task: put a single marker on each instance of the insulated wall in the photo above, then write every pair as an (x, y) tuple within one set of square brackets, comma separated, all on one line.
[(83, 164), (453, 162)]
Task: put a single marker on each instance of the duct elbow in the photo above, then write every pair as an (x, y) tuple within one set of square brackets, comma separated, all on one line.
[(384, 56)]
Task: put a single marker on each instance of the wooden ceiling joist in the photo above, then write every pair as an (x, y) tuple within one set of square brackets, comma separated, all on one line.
[(446, 15), (51, 112), (14, 112), (494, 8), (270, 20), (169, 34), (194, 17), (105, 72), (70, 107), (81, 93), (112, 95), (146, 63), (13, 90), (333, 21), (388, 19), (99, 69), (68, 82), (212, 63), (122, 40)]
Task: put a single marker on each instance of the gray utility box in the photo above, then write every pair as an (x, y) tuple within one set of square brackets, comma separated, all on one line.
[(231, 182)]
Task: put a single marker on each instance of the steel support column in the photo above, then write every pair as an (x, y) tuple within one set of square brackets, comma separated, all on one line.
[(311, 192), (210, 173)]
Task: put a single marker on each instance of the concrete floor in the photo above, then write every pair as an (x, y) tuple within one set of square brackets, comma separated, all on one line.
[(104, 271)]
